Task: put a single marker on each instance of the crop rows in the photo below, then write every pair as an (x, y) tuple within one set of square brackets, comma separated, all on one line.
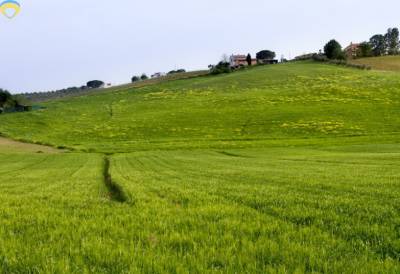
[(255, 211)]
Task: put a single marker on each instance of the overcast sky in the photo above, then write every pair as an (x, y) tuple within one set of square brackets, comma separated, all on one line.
[(54, 44)]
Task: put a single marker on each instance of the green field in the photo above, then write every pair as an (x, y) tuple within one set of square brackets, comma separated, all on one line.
[(290, 168), (385, 63), (297, 104)]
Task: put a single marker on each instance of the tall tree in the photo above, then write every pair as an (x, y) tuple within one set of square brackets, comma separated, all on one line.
[(248, 59), (378, 44), (144, 77), (392, 41), (333, 50), (364, 50), (395, 40), (8, 101), (4, 97)]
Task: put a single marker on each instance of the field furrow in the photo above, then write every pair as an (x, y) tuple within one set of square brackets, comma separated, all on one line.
[(353, 212), (292, 168)]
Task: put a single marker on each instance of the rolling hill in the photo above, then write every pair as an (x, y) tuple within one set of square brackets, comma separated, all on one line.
[(290, 168), (287, 104)]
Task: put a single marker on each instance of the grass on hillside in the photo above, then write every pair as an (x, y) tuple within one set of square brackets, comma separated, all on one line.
[(51, 96), (280, 169), (291, 104), (385, 63)]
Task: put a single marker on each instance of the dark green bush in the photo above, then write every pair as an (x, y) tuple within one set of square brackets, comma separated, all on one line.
[(220, 68), (333, 50)]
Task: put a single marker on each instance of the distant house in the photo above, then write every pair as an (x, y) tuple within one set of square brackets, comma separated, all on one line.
[(158, 75), (237, 61), (352, 50)]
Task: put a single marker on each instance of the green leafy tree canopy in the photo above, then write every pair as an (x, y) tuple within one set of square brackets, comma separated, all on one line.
[(95, 84), (135, 79), (392, 41), (265, 55), (333, 50)]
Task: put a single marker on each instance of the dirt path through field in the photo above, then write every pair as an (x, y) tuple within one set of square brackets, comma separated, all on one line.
[(8, 145)]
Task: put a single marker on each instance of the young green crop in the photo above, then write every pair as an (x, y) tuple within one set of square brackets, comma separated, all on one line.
[(296, 104), (248, 211), (279, 169)]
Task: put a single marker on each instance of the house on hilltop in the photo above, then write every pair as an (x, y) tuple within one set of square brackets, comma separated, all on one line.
[(351, 51), (240, 60)]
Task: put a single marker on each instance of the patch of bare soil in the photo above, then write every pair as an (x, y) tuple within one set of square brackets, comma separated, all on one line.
[(8, 145)]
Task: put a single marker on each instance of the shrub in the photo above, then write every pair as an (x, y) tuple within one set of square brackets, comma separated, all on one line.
[(176, 71), (95, 84), (320, 58), (221, 67), (13, 103), (135, 79), (364, 50), (323, 58)]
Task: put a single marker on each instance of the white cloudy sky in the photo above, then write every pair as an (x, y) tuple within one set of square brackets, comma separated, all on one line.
[(54, 44)]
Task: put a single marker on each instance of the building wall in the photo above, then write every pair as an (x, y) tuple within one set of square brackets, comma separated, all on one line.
[(351, 51), (237, 61)]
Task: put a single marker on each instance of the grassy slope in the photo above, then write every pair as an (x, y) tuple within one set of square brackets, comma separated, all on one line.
[(301, 103), (49, 96), (386, 63), (229, 207)]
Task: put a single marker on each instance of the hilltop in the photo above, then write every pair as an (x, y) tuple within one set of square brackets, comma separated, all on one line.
[(75, 92)]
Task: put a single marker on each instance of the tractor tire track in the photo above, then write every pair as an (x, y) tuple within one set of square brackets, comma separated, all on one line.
[(115, 191)]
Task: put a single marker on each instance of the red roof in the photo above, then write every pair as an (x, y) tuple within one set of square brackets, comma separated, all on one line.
[(239, 56)]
